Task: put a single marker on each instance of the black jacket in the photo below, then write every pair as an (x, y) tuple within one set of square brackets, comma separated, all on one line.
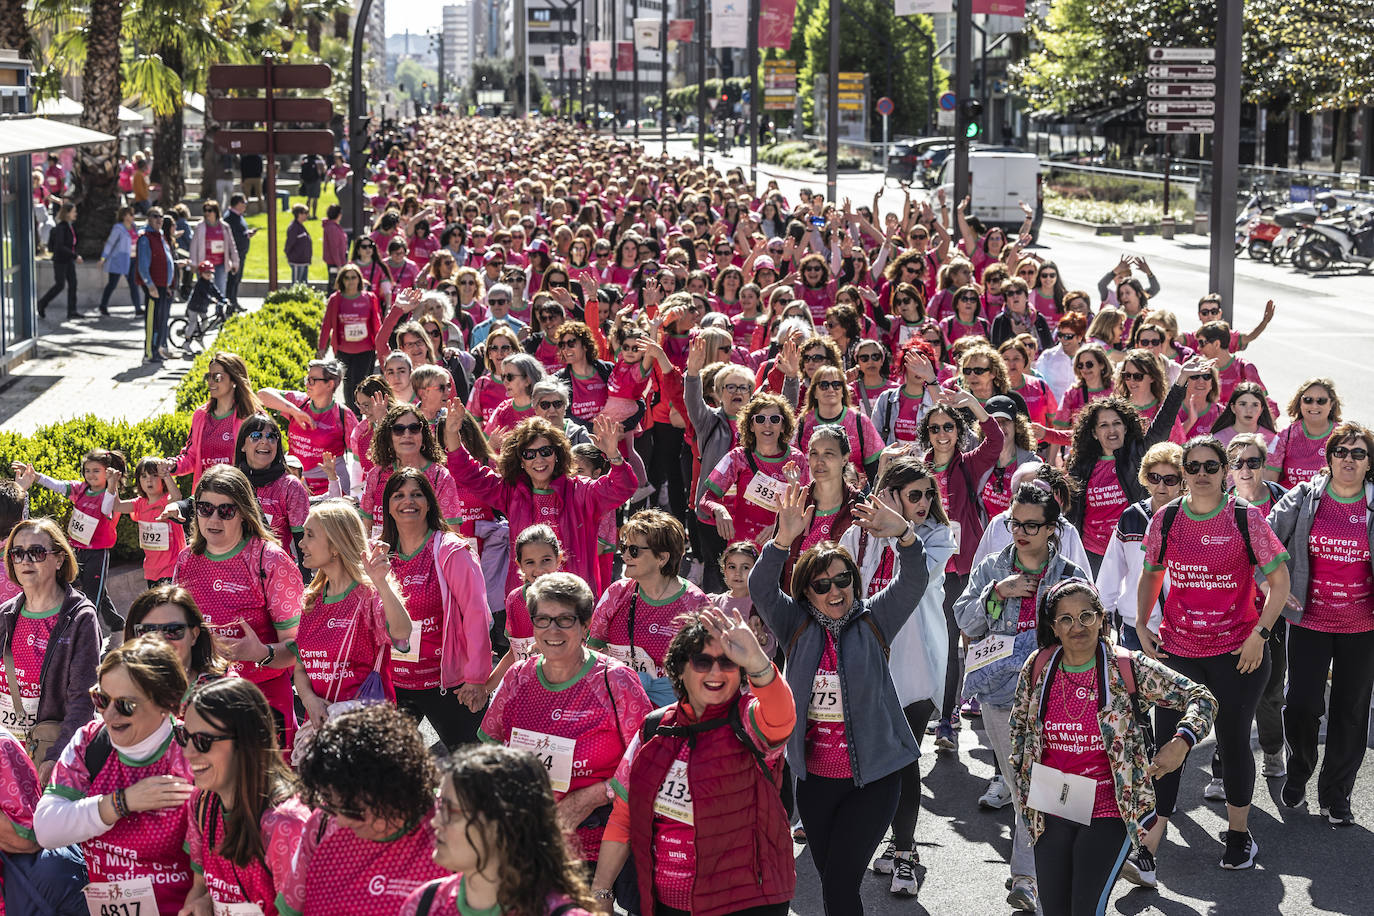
[(239, 230), (1002, 329), (62, 242)]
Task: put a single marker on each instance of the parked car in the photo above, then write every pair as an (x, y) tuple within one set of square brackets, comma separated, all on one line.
[(904, 156)]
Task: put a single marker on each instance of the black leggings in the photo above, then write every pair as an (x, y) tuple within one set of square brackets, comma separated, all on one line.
[(357, 366), (1077, 864), (909, 804), (1238, 696), (94, 567), (455, 724), (1269, 713), (954, 669), (844, 825), (1350, 659), (64, 277), (661, 449)]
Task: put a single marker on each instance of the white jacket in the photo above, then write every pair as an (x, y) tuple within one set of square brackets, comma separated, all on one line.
[(996, 536), (921, 646)]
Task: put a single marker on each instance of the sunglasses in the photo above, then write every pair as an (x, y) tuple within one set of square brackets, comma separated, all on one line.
[(552, 405), (1021, 293), (812, 269), (830, 385), (1030, 528), (123, 705), (904, 300), (35, 554), (1084, 618), (213, 378), (1133, 376), (815, 357), (562, 621), (702, 663), (544, 451), (406, 429), (1049, 276), (631, 550), (1341, 451), (1169, 480), (946, 427), (173, 631), (503, 348), (967, 299), (1253, 464), (1066, 335), (435, 333), (225, 511), (510, 376), (1320, 402), (918, 236), (976, 370), (258, 435), (1210, 466), (774, 418), (822, 586), (1150, 341), (498, 300), (1199, 376), (1212, 311), (201, 741), (366, 247), (870, 357), (567, 343), (1085, 365)]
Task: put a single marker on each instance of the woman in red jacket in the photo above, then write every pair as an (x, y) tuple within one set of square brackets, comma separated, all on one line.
[(696, 794), (215, 424)]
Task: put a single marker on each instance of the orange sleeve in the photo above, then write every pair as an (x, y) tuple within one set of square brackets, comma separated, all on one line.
[(618, 826), (592, 312), (772, 712)]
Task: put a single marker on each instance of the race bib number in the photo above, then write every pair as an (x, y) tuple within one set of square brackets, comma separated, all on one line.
[(217, 246), (155, 535), (81, 527), (827, 699), (674, 799), (765, 492), (555, 753), (376, 531), (355, 331), (412, 655), (522, 646), (18, 722), (991, 648), (636, 658), (236, 909), (133, 897)]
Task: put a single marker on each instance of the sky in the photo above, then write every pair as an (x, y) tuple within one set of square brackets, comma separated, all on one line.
[(416, 15)]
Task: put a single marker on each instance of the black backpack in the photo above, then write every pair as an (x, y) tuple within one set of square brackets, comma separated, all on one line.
[(1242, 522)]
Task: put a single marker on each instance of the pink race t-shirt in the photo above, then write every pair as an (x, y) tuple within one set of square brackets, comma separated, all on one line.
[(1296, 455), (1210, 609), (996, 492), (19, 793), (1073, 736), (451, 900), (907, 426), (339, 641), (1340, 591), (374, 485), (864, 442), (333, 425), (217, 440), (750, 509), (88, 526), (33, 629), (285, 503), (654, 623), (162, 542), (283, 831), (1103, 503), (827, 742), (1074, 402), (817, 298), (419, 580), (508, 416)]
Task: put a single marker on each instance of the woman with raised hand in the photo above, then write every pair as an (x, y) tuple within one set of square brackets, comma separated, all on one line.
[(830, 403), (756, 470), (405, 439), (317, 424), (850, 755), (215, 424)]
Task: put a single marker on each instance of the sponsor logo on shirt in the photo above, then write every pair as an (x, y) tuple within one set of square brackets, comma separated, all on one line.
[(233, 588), (1216, 540)]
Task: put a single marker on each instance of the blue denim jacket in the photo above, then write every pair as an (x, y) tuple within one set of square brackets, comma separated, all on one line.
[(880, 741)]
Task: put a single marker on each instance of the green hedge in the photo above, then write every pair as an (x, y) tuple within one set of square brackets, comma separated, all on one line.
[(277, 341), (801, 155)]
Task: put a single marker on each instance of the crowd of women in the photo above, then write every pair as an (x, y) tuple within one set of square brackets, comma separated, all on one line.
[(681, 513)]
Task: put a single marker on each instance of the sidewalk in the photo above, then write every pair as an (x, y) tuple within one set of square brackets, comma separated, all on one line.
[(93, 365)]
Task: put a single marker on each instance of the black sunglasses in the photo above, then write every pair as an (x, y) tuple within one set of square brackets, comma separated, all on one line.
[(976, 370), (1320, 402), (405, 429), (1210, 466), (870, 357), (822, 586), (1169, 480), (35, 554), (946, 427), (1253, 464), (544, 451), (201, 741), (550, 405), (633, 550), (1342, 451), (702, 663), (1133, 376), (1150, 341), (123, 705), (225, 511), (173, 631), (830, 385)]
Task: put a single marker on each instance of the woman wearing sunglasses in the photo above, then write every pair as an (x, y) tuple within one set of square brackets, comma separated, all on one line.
[(50, 640), (1078, 713), (169, 611), (1211, 630), (1140, 380), (830, 403), (1297, 453), (531, 484), (121, 785), (488, 391), (370, 840), (875, 374), (1247, 413), (519, 374), (352, 318), (1093, 371), (637, 616), (215, 424), (589, 378), (376, 275), (1327, 525), (756, 470), (247, 586), (850, 755), (696, 794), (1201, 407), (282, 497), (317, 424), (576, 709), (964, 319), (246, 821), (406, 440)]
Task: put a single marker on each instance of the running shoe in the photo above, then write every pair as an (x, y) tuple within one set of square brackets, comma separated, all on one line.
[(1215, 791), (944, 736), (1273, 766), (1241, 850), (1022, 896), (1292, 794), (1339, 817), (971, 708), (883, 864), (904, 874), (1139, 869), (997, 796), (799, 834)]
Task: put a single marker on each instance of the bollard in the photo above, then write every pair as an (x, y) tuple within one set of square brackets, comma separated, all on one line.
[(1128, 232), (1166, 228), (1200, 221)]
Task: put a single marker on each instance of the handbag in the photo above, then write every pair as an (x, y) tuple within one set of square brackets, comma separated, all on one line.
[(44, 734)]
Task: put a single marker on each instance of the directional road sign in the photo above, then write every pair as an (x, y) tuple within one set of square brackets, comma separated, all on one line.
[(1181, 72), (1181, 90), (1179, 126), (1182, 55), (1196, 109)]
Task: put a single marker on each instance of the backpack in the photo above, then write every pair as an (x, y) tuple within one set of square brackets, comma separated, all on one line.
[(97, 753), (1127, 669), (1242, 522), (653, 725)]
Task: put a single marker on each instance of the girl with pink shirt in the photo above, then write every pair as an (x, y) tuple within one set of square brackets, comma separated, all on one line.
[(161, 541)]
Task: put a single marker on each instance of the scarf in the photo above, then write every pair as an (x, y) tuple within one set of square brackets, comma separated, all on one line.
[(265, 477)]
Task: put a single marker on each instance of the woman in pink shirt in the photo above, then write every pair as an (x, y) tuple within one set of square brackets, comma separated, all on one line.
[(352, 320), (215, 424), (1295, 454)]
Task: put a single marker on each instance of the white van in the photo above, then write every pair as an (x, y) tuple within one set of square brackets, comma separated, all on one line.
[(1000, 178)]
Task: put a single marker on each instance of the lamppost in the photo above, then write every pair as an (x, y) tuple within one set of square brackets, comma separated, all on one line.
[(436, 43), (357, 125)]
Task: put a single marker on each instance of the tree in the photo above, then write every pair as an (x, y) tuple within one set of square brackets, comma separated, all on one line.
[(14, 27)]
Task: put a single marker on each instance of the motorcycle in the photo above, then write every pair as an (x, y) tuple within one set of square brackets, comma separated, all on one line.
[(1293, 222), (1344, 239), (1254, 210), (1263, 231)]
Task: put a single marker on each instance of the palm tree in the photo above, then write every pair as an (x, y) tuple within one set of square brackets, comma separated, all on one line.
[(14, 27)]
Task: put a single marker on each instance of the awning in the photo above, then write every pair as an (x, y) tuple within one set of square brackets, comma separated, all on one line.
[(64, 108), (38, 135)]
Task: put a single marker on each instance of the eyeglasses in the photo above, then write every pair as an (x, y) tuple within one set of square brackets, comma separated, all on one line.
[(1020, 293), (702, 663), (946, 427), (830, 385), (35, 554), (568, 343), (1320, 402), (406, 429), (441, 386), (760, 419), (225, 511), (173, 631), (736, 388), (1133, 376), (562, 621), (467, 281), (213, 378), (1150, 341), (1169, 480), (976, 370), (446, 811), (631, 550), (1358, 454), (544, 451), (123, 705), (498, 300), (1084, 618), (822, 586), (201, 741), (317, 379), (1210, 466), (1253, 464), (1029, 528), (258, 435), (552, 405), (1211, 311), (870, 357)]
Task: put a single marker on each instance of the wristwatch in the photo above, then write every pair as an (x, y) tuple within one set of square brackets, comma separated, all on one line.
[(1265, 633), (271, 654), (603, 893)]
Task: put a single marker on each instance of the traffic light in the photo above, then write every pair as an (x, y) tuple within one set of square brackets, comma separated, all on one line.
[(970, 114)]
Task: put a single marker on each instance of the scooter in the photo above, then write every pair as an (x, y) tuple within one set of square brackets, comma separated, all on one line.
[(1256, 207), (1293, 222), (1345, 239), (1263, 231)]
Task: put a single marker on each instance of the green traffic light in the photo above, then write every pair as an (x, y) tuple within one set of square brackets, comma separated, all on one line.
[(972, 130)]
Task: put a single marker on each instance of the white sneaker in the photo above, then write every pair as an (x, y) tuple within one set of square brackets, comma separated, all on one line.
[(1274, 766), (883, 864), (997, 796), (165, 352), (904, 874), (1215, 791)]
